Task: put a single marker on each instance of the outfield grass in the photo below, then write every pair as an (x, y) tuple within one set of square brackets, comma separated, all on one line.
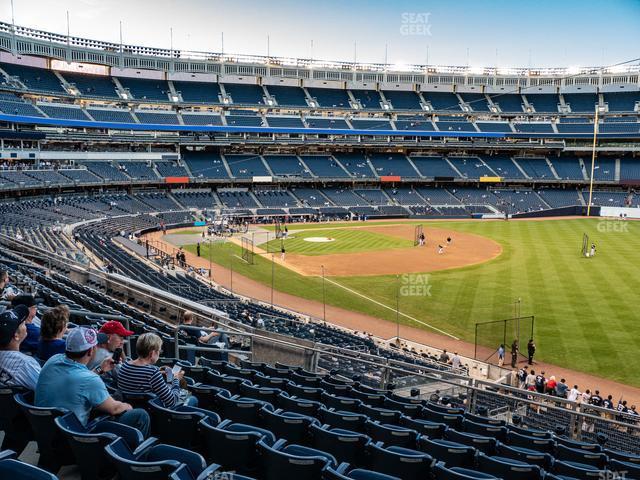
[(585, 309), (345, 241)]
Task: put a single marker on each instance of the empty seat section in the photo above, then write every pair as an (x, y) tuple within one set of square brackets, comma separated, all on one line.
[(246, 94), (330, 97), (442, 100), (36, 79), (369, 99), (392, 164), (146, 89), (287, 166), (432, 167), (92, 85), (356, 164), (246, 166), (288, 96), (198, 92), (205, 164), (544, 102)]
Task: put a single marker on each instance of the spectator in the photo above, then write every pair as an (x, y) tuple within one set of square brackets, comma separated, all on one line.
[(596, 399), (551, 385), (501, 355), (530, 383), (66, 382), (573, 394), (53, 328), (531, 350), (30, 344), (113, 338), (562, 388), (608, 402), (142, 376), (195, 335), (522, 376), (541, 381), (586, 396), (16, 368), (7, 291), (444, 358), (455, 360)]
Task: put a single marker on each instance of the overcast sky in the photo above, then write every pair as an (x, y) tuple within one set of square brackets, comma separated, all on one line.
[(499, 33)]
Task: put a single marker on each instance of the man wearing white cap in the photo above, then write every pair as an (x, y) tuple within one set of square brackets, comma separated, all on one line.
[(66, 382)]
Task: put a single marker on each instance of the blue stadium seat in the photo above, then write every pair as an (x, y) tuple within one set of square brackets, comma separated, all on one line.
[(282, 461), (532, 457), (622, 456), (13, 422), (53, 448), (632, 470), (496, 431), (567, 454), (484, 420), (344, 445), (441, 472), (293, 427), (587, 446), (383, 415), (206, 395), (345, 472), (424, 427), (508, 468), (14, 469), (232, 384), (265, 394), (241, 409), (138, 400), (344, 404), (545, 445), (391, 434), (233, 445), (88, 445), (452, 453), (577, 470), (404, 463), (154, 462), (178, 425), (413, 410), (345, 420), (529, 432), (450, 419), (305, 407), (486, 445), (306, 393)]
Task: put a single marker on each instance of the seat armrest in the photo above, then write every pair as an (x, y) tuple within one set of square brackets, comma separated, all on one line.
[(145, 446)]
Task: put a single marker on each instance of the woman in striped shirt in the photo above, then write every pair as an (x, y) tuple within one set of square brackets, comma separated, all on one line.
[(142, 376)]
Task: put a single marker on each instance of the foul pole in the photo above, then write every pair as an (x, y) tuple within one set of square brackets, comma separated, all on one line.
[(593, 158)]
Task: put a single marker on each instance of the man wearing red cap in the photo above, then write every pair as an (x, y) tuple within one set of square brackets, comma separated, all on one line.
[(115, 335)]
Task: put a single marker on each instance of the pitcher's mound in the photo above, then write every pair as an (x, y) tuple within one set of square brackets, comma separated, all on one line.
[(319, 239)]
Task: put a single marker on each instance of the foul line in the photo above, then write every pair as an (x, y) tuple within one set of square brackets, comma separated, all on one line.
[(392, 309)]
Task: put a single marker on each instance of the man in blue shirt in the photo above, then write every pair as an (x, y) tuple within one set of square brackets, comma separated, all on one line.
[(16, 368), (66, 382)]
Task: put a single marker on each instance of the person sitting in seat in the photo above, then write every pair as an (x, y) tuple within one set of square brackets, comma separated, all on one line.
[(142, 376), (52, 331), (16, 368), (66, 382), (30, 344), (112, 337), (195, 335)]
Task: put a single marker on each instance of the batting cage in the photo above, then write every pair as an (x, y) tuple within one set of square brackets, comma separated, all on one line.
[(279, 230), (417, 234), (490, 335), (585, 245), (247, 250)]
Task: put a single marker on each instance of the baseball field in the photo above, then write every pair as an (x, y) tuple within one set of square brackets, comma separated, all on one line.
[(586, 309)]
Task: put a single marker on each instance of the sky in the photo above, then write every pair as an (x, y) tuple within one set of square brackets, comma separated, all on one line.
[(492, 33)]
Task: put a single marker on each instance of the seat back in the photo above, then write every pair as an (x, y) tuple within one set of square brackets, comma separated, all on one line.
[(239, 409), (54, 450), (581, 472), (14, 423), (484, 444), (496, 431), (452, 453), (87, 447), (545, 445), (508, 468), (344, 445), (587, 457), (424, 427), (401, 462), (344, 420), (391, 434), (278, 463), (456, 473), (11, 469), (177, 426), (526, 455), (131, 468), (294, 427), (233, 445)]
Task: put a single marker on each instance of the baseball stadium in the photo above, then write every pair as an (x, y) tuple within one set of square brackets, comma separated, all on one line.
[(222, 265)]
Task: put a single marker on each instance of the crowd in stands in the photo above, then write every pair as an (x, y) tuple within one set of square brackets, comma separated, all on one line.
[(529, 380)]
